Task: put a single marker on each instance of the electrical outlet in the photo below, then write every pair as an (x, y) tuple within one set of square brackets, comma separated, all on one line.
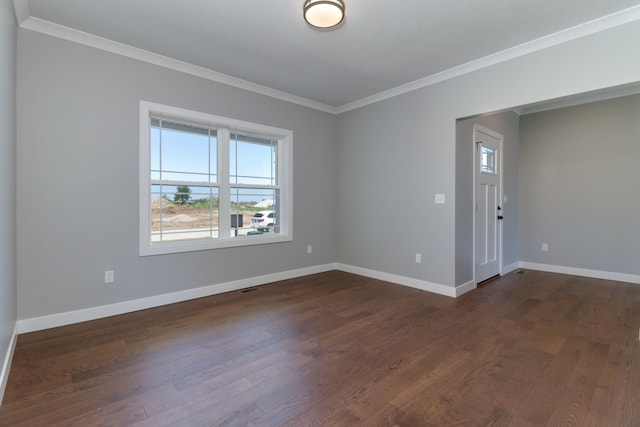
[(439, 199), (418, 258), (109, 276), (545, 247), (309, 249)]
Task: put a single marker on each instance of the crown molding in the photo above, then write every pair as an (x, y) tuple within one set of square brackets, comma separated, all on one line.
[(613, 20), (21, 9), (87, 39)]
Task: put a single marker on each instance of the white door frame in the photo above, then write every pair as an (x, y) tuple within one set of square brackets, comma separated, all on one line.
[(479, 128)]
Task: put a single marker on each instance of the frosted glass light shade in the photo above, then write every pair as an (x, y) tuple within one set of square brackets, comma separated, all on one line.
[(323, 13)]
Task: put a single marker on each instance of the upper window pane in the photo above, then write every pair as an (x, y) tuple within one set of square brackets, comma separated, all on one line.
[(253, 160), (182, 152)]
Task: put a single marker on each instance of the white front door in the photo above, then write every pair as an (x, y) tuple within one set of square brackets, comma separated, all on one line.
[(488, 238)]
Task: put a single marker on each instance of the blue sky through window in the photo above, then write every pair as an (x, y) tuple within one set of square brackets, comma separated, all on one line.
[(182, 152)]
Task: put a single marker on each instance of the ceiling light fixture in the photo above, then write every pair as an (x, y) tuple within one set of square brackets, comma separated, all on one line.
[(323, 14)]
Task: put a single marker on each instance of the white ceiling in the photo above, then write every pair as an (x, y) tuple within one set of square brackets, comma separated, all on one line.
[(381, 46)]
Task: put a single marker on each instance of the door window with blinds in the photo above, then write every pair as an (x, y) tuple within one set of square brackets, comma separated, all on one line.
[(210, 182)]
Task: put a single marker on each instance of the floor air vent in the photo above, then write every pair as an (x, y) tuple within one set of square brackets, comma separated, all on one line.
[(244, 291), (521, 272)]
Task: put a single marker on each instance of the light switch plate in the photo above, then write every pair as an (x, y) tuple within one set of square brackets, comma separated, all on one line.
[(109, 276)]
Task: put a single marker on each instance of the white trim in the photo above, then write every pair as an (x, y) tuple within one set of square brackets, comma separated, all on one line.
[(400, 280), (6, 365), (83, 315), (603, 23), (87, 39), (21, 9), (596, 274), (70, 317), (465, 287), (77, 316), (597, 25), (509, 268)]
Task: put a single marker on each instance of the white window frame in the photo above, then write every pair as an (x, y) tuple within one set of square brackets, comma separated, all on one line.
[(225, 126)]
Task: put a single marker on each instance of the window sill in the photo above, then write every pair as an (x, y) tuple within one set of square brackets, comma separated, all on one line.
[(203, 245)]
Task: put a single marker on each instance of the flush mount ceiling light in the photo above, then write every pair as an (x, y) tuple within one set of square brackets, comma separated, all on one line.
[(323, 14)]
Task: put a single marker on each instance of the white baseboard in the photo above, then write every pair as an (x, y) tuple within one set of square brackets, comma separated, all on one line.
[(465, 287), (92, 313), (596, 274), (401, 280), (506, 269), (70, 317), (6, 365)]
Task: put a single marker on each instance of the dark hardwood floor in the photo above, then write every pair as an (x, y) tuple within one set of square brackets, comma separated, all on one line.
[(335, 349)]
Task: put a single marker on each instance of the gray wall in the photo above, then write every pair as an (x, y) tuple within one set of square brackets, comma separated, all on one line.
[(506, 124), (396, 154), (579, 191), (78, 179), (7, 177), (378, 167), (390, 168)]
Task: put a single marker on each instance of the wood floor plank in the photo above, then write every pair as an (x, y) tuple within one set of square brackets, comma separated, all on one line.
[(337, 349), (631, 408), (572, 406)]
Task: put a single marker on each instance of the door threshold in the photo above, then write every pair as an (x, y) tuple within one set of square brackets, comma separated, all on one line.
[(490, 279)]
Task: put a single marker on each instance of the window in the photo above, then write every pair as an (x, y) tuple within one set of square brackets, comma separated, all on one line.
[(210, 182), (488, 160)]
